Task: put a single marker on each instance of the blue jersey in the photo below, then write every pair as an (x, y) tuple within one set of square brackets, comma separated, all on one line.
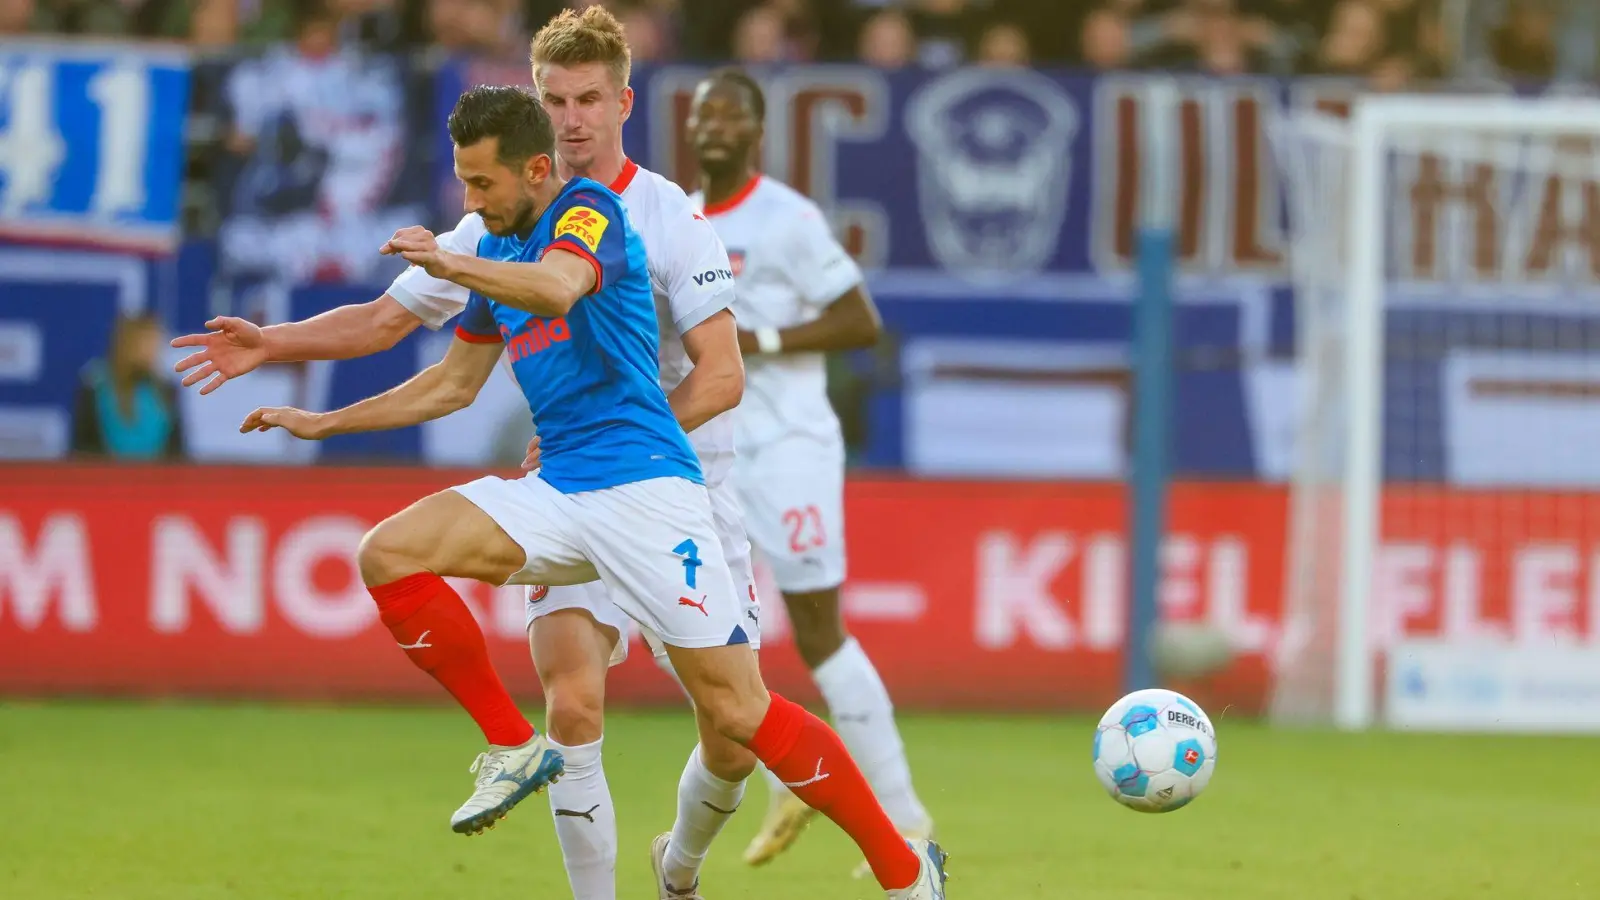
[(592, 377)]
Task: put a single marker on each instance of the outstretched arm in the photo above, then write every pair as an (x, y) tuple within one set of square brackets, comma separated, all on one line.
[(439, 390), (231, 347), (359, 329)]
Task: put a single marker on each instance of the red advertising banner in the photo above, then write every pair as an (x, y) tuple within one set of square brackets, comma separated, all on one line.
[(240, 582)]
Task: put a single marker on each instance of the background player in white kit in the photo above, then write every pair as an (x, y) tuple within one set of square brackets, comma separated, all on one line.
[(800, 295), (581, 66)]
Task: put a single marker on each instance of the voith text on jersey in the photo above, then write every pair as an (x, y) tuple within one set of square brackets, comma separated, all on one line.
[(711, 276), (537, 335)]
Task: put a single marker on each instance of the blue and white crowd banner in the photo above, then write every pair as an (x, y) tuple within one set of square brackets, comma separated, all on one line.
[(324, 160), (91, 144)]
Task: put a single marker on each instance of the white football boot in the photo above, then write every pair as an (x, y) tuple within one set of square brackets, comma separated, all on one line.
[(658, 863), (930, 882), (506, 777)]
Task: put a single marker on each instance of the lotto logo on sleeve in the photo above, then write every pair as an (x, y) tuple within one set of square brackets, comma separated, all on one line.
[(584, 224)]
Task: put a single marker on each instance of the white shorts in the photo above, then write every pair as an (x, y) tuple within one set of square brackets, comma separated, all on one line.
[(652, 544), (594, 598), (792, 492)]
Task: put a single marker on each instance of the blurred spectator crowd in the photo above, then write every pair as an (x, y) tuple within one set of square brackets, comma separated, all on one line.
[(1393, 42)]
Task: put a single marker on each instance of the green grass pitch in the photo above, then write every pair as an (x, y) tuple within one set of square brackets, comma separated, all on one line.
[(190, 801)]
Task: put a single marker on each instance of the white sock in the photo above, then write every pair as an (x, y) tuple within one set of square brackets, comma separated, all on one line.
[(859, 705), (705, 804), (586, 823)]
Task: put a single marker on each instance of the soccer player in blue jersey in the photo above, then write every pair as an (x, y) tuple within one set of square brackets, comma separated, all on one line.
[(560, 284)]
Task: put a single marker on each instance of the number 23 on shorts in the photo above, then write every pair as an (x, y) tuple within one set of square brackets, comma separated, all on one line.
[(805, 529)]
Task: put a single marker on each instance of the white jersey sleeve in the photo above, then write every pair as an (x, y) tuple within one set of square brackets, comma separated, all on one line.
[(434, 300), (697, 276), (817, 264), (696, 271), (692, 281)]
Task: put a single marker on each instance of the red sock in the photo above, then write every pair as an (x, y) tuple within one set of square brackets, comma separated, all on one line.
[(432, 624), (809, 757)]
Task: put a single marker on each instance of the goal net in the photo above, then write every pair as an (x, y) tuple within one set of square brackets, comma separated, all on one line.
[(1444, 528)]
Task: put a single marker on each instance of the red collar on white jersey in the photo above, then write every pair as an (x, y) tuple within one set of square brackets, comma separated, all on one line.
[(625, 177), (739, 196)]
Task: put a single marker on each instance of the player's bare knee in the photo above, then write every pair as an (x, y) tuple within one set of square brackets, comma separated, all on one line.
[(570, 652), (734, 721), (574, 715), (727, 759), (385, 554), (734, 714), (574, 700)]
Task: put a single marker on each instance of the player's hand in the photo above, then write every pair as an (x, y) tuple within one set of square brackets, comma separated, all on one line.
[(308, 426), (230, 347), (416, 245), (531, 461)]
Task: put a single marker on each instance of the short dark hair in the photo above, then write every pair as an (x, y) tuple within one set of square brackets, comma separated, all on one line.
[(736, 76), (512, 114)]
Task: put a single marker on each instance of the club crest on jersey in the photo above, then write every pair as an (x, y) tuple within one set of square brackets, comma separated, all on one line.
[(736, 262), (585, 224), (992, 174)]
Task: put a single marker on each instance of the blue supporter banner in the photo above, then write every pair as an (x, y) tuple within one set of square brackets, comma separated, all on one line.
[(995, 212), (91, 144), (310, 181), (983, 171)]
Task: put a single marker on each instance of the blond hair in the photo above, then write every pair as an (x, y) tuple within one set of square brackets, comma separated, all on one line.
[(573, 39)]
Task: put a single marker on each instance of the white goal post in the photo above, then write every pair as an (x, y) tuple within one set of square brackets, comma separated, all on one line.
[(1356, 223)]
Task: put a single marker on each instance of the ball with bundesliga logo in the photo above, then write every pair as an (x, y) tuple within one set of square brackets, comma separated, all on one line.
[(1155, 751)]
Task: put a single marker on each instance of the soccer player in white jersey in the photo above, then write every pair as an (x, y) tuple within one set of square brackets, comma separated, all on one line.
[(581, 68), (800, 296), (574, 360), (620, 498), (580, 71)]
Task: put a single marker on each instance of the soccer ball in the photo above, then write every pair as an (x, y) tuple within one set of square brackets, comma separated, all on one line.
[(1154, 751)]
